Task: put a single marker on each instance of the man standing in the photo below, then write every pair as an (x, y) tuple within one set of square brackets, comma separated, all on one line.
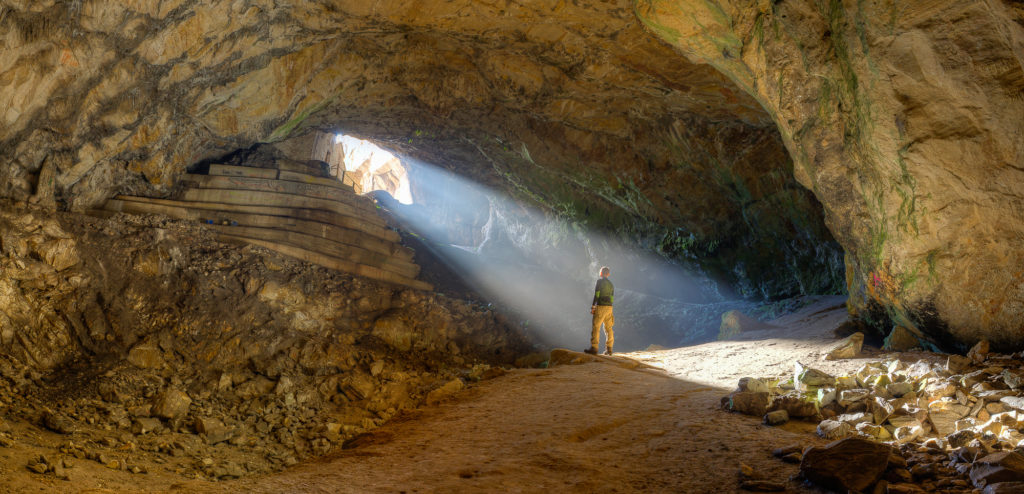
[(604, 294)]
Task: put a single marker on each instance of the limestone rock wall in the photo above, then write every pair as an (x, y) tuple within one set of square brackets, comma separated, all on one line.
[(905, 119), (572, 105)]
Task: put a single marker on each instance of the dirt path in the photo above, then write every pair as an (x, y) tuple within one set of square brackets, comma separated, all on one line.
[(595, 427)]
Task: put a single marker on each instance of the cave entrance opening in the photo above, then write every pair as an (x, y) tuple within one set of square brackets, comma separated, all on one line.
[(363, 165)]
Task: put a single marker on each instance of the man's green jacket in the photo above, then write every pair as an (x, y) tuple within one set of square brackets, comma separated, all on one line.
[(604, 292)]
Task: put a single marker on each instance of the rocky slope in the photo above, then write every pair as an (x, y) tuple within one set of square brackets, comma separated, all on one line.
[(146, 337), (572, 106), (905, 121)]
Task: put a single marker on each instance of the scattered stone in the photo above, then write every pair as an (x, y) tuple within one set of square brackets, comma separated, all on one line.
[(776, 417), (832, 429), (848, 396), (795, 404), (746, 402), (899, 389), (944, 414), (850, 347), (752, 385), (145, 356), (214, 430), (1005, 466), (146, 425), (900, 339), (978, 352), (171, 404), (806, 377), (957, 363), (876, 431), (1004, 488), (57, 422), (1014, 378), (851, 464)]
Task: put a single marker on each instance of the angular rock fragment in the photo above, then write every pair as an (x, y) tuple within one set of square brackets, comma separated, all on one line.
[(848, 348), (899, 389), (753, 385), (145, 356), (1005, 466), (795, 404), (746, 402), (944, 414), (979, 352), (145, 425), (833, 429), (57, 422), (776, 417), (880, 409), (900, 339), (1004, 488), (957, 363), (876, 431), (851, 464), (1014, 378), (849, 396), (805, 378), (171, 404)]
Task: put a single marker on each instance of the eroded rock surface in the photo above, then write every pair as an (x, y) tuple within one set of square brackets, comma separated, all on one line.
[(905, 121), (573, 106)]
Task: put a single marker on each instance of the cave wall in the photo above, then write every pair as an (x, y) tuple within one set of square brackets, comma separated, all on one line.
[(905, 119), (572, 106)]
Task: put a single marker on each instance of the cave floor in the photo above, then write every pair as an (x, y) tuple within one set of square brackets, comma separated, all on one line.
[(595, 427)]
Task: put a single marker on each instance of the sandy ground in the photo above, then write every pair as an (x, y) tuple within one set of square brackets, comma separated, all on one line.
[(595, 427)]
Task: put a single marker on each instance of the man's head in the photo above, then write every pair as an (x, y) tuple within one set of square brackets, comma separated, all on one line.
[(605, 272)]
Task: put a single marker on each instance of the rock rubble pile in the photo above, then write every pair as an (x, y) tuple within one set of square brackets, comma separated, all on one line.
[(953, 420), (142, 343)]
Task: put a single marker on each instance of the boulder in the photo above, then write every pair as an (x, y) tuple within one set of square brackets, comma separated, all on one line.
[(145, 356), (751, 384), (1004, 488), (776, 417), (848, 348), (805, 378), (944, 414), (979, 352), (746, 402), (833, 429), (796, 404), (145, 425), (57, 422), (1004, 466), (171, 404), (900, 339), (392, 329), (850, 464), (214, 430)]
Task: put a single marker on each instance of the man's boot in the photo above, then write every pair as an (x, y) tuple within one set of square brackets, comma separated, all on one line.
[(608, 351), (591, 350)]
